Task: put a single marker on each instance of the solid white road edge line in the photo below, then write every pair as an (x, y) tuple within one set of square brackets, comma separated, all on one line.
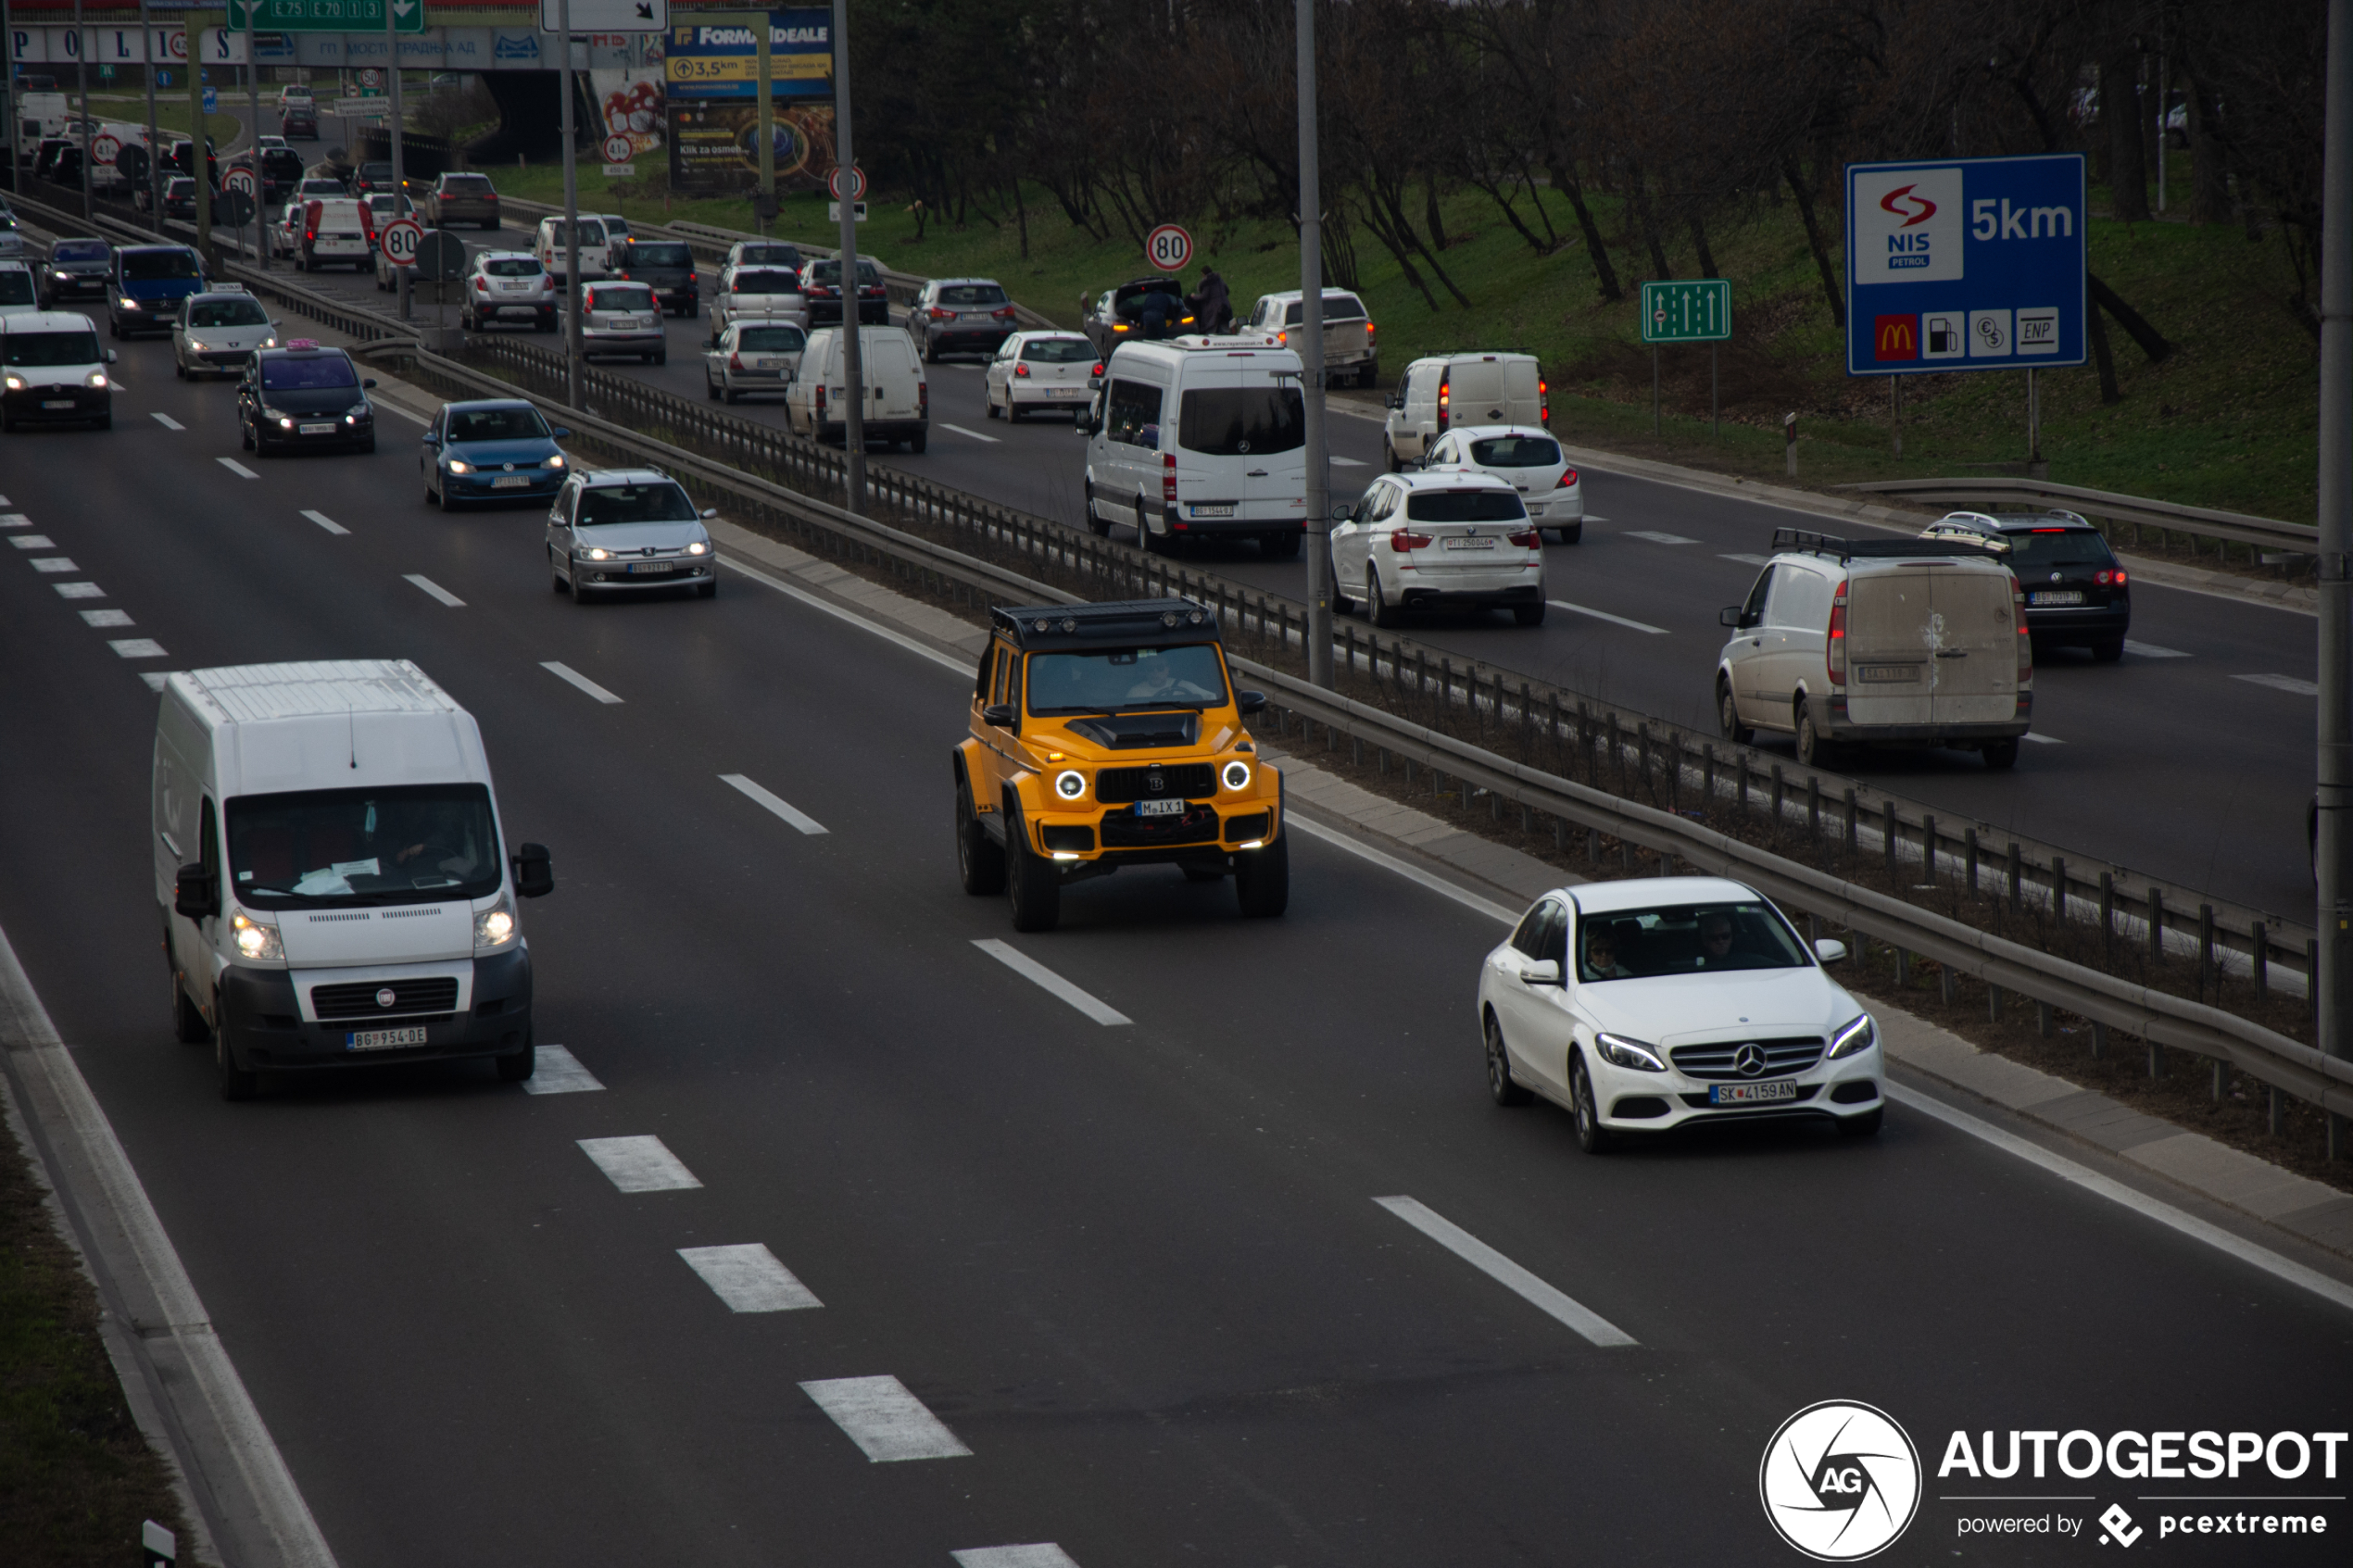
[(1605, 615), (1553, 1303), (236, 467), (166, 419), (1041, 1554), (1037, 974), (639, 1164), (53, 1091), (323, 520), (2335, 1292), (428, 585), (555, 1071), (1411, 872), (888, 1424), (567, 673), (782, 807), (748, 1278)]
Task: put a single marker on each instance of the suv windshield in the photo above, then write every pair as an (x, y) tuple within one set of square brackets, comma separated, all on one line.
[(1515, 452), (662, 502), (146, 266), (972, 293), (511, 266), (1120, 680), (778, 256), (1685, 939), (307, 374), (52, 348), (1058, 350), (2047, 548), (1464, 506), (1232, 421), (226, 313), (495, 424), (398, 846)]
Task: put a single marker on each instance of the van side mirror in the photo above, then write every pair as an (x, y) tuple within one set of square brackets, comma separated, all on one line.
[(534, 877), (999, 715), (1729, 616), (1545, 971), (1829, 952), (1248, 703), (111, 357), (196, 892), (1394, 400)]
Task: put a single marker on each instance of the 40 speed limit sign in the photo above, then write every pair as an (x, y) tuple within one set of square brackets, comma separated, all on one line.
[(402, 237), (1168, 248)]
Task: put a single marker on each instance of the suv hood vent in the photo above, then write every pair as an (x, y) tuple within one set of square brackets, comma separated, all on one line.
[(1129, 732)]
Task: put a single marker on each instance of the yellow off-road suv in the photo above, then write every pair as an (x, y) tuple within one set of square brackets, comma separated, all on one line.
[(1108, 735)]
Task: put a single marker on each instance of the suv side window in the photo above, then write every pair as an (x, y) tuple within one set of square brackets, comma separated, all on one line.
[(1133, 405), (1003, 672)]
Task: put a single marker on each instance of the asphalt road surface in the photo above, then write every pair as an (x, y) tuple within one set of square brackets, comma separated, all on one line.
[(1136, 1271)]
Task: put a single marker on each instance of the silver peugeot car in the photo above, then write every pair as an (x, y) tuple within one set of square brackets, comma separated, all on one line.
[(620, 530)]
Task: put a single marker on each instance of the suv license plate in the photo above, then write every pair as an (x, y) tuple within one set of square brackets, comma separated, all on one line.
[(2057, 597), (383, 1039), (1470, 542), (650, 568), (1160, 807), (1752, 1094)]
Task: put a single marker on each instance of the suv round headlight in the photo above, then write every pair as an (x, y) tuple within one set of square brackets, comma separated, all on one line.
[(1236, 775), (1070, 785)]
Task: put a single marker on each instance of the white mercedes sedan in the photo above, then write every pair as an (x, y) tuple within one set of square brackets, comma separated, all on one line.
[(1655, 1003)]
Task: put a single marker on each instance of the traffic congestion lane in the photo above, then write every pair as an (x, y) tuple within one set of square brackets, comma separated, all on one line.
[(1287, 1090)]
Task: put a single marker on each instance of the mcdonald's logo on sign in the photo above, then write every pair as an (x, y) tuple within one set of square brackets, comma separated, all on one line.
[(1895, 337)]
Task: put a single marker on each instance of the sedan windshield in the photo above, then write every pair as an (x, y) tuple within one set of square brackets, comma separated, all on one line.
[(1685, 939), (766, 281), (495, 424), (634, 503), (1515, 452), (363, 846), (78, 250), (52, 348), (305, 375), (226, 313), (1120, 680), (1057, 351), (781, 255), (148, 265), (1233, 421), (1464, 506), (466, 185)]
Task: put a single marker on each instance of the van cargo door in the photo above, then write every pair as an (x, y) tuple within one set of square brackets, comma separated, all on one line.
[(1477, 395), (1975, 659), (1891, 631), (890, 373)]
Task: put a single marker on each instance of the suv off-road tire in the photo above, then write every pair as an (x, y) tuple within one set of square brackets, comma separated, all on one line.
[(1032, 885), (980, 863), (1261, 879)]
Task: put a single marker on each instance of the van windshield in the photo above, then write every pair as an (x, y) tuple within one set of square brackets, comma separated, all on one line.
[(397, 846), (1234, 421), (1119, 680), (1464, 506), (52, 348), (1685, 939), (146, 265)]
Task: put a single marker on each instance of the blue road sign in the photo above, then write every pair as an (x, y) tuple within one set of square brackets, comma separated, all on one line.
[(212, 100), (1972, 264)]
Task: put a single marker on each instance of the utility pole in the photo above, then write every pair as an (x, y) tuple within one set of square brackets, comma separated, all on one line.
[(1311, 356), (253, 135), (571, 210), (82, 86), (155, 163), (401, 276), (853, 424), (199, 166), (2335, 852), (764, 72), (9, 87)]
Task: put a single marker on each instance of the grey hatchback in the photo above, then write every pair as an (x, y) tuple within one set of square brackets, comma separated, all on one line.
[(621, 529)]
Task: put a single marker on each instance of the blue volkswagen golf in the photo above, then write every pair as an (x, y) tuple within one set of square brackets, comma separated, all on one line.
[(494, 450)]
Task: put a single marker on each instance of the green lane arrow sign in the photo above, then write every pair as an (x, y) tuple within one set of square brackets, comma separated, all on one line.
[(1694, 312), (326, 16)]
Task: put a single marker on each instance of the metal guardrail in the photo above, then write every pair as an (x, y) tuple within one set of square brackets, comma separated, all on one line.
[(2265, 534)]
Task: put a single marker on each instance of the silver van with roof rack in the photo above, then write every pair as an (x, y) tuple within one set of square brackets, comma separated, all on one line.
[(1879, 641)]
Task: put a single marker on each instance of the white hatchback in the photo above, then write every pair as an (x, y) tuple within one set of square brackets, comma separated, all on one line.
[(1035, 371), (1654, 1002), (1455, 540), (1526, 458)]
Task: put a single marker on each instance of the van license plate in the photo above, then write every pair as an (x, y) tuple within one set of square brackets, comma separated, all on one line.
[(1160, 807), (1226, 510), (383, 1039), (1470, 542), (1752, 1094), (2057, 597), (1873, 673)]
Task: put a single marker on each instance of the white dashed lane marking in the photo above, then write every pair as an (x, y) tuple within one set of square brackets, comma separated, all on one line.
[(782, 808), (1044, 1554), (1749, 560), (1037, 974), (1338, 463), (1655, 536), (888, 1424), (53, 565), (236, 467), (106, 618), (974, 433), (80, 591), (567, 673), (2150, 650), (748, 1278), (1605, 615), (166, 419), (2287, 683), (323, 520), (556, 1070), (32, 541), (639, 1164), (15, 519), (1497, 1267), (435, 590), (138, 647), (2042, 739)]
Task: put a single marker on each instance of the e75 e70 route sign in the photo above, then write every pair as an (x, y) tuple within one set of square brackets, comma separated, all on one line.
[(326, 16), (1972, 264), (1694, 312)]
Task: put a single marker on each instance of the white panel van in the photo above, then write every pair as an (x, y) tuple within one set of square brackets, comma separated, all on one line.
[(898, 399), (1446, 390), (331, 873), (1200, 438)]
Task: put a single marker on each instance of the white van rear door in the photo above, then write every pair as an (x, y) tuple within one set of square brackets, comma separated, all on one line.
[(1975, 659), (1477, 395), (1523, 392), (891, 373), (1891, 633)]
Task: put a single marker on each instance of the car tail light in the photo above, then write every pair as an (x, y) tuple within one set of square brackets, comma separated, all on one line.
[(2025, 637), (1568, 479), (922, 399), (1282, 338), (1099, 367), (1543, 401), (1022, 370), (2110, 579), (821, 402), (1168, 477), (1004, 315), (1404, 540), (937, 314), (1835, 647), (1369, 331), (735, 361), (1445, 398), (1527, 539)]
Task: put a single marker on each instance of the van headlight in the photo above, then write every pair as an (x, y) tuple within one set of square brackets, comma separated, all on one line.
[(495, 927), (1236, 776), (256, 940), (97, 379), (1619, 1051), (15, 383), (1856, 1037), (1070, 783)]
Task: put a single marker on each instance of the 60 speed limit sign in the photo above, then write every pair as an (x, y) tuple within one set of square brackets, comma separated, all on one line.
[(241, 179), (402, 237), (1168, 248)]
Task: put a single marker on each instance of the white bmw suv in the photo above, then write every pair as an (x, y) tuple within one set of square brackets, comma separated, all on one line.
[(1649, 1003)]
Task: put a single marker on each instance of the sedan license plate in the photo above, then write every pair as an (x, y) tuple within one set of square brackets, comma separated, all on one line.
[(1752, 1094), (317, 429), (2057, 597), (1470, 542), (1066, 392), (1226, 510), (651, 568), (1160, 807), (383, 1039), (510, 482), (57, 403)]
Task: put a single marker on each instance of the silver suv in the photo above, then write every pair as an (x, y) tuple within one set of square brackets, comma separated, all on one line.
[(960, 316)]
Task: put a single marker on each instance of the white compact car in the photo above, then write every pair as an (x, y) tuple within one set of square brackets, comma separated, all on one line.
[(1530, 460), (1035, 371), (1454, 539), (753, 357), (1655, 1003)]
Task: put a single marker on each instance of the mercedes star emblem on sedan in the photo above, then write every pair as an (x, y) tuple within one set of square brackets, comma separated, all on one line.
[(1749, 1061)]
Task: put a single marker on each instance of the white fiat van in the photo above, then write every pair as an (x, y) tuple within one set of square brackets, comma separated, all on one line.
[(1200, 438), (331, 873), (1879, 641), (1447, 390), (898, 398)]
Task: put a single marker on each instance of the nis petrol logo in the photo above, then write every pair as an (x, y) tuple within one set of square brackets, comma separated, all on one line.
[(1905, 248)]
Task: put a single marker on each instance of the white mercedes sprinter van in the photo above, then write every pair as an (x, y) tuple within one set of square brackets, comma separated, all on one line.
[(331, 873)]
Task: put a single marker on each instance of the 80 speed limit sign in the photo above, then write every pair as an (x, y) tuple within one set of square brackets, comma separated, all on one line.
[(402, 237), (1168, 248)]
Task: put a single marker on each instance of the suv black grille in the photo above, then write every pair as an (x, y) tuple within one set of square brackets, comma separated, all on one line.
[(358, 1000), (1782, 1057), (1116, 787), (1122, 831)]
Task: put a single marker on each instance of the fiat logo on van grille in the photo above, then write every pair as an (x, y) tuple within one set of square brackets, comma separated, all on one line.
[(386, 996)]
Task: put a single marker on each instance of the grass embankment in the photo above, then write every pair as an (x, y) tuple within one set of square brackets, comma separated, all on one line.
[(2229, 420), (76, 1476), (172, 113)]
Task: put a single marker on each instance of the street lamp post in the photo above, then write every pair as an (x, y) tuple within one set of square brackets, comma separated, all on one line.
[(402, 275), (571, 210), (853, 424)]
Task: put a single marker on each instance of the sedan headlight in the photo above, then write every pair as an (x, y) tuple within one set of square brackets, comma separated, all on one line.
[(459, 465), (597, 552), (127, 303), (269, 342), (199, 345), (255, 939), (495, 927), (555, 463), (1236, 776), (284, 423), (697, 548), (1070, 783), (1619, 1051), (1856, 1037)]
